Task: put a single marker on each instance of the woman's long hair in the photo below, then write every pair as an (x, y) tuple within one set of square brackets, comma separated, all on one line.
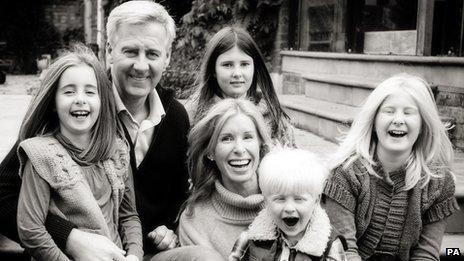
[(431, 146), (41, 117), (203, 139), (261, 86)]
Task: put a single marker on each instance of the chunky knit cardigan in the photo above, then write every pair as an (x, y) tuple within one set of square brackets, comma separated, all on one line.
[(217, 222), (361, 194), (72, 198)]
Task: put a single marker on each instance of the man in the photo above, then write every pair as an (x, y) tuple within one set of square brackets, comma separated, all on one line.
[(140, 35)]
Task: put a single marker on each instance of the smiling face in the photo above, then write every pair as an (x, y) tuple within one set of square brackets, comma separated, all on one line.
[(237, 152), (397, 124), (77, 101), (291, 213), (138, 58), (234, 72)]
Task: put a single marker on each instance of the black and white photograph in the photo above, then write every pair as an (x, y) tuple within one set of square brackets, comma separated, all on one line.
[(235, 130)]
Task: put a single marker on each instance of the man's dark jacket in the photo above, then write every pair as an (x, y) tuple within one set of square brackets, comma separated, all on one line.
[(160, 181)]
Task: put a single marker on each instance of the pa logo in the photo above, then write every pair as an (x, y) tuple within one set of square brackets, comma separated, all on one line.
[(453, 251)]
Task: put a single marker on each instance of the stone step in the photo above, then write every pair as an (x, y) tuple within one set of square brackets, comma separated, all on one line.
[(323, 118), (341, 89)]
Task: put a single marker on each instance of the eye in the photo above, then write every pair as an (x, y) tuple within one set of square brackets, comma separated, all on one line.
[(299, 199), (245, 64), (388, 110), (248, 136), (90, 92), (278, 199), (131, 52), (227, 64), (410, 111), (68, 92), (226, 138), (152, 55)]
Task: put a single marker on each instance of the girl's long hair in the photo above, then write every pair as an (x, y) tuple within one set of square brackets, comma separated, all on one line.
[(431, 147), (203, 139), (41, 117), (261, 87)]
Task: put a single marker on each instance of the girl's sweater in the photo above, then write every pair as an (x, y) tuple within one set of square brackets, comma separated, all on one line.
[(96, 198), (378, 217), (218, 221)]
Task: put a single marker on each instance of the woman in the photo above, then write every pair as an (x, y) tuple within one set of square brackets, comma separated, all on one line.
[(226, 146), (233, 67), (391, 187)]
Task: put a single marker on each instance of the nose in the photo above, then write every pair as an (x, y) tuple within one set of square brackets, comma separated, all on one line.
[(289, 207), (398, 118), (239, 147), (236, 72), (80, 98), (141, 63)]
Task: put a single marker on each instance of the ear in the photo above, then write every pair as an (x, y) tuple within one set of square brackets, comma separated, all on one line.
[(109, 50), (210, 157)]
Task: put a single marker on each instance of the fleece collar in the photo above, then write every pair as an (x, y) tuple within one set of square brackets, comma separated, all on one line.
[(314, 241)]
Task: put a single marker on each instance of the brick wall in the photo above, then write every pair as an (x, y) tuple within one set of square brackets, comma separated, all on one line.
[(450, 101)]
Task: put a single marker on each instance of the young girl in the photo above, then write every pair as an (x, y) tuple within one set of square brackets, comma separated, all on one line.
[(74, 163), (233, 67), (293, 225), (391, 188)]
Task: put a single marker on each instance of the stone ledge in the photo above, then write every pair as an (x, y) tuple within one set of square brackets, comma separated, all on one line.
[(431, 60), (332, 111)]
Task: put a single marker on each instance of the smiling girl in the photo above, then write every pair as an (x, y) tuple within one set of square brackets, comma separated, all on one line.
[(391, 187), (74, 163), (233, 67)]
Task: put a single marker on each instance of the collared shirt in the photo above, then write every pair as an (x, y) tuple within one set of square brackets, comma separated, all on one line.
[(141, 134)]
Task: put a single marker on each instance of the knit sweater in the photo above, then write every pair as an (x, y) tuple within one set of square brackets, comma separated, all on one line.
[(63, 190), (386, 218), (218, 221)]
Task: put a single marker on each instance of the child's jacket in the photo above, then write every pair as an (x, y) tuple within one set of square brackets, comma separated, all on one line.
[(264, 241)]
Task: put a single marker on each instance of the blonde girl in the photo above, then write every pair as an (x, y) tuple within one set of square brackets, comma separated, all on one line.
[(74, 163), (391, 187)]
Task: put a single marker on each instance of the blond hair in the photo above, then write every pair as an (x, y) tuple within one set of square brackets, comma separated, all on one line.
[(431, 146), (290, 170)]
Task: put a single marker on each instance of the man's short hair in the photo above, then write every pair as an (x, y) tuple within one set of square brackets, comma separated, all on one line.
[(139, 12), (290, 170)]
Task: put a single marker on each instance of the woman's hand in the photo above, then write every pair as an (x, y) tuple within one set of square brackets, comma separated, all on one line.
[(163, 238)]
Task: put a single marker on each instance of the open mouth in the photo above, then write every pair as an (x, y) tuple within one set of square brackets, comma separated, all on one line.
[(239, 163), (80, 114), (290, 221), (397, 133)]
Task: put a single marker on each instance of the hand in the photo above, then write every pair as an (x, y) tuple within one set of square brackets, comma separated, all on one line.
[(132, 258), (87, 246), (163, 238)]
